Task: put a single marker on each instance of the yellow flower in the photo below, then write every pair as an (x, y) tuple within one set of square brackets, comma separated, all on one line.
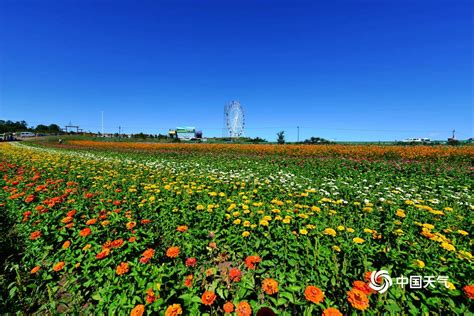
[(200, 207), (315, 209), (400, 213), (448, 246), (358, 240), (398, 232), (420, 264), (286, 220), (464, 255), (303, 231), (336, 248), (237, 221), (245, 234), (450, 286), (340, 227), (235, 214), (350, 230), (368, 231), (330, 232), (246, 224), (263, 222), (462, 232), (428, 226)]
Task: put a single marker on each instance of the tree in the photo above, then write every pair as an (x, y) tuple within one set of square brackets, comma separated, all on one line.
[(54, 128), (281, 137), (41, 128)]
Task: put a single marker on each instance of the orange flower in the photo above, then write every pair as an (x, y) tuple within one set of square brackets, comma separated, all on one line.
[(469, 290), (313, 294), (138, 310), (67, 219), (146, 221), (182, 228), (270, 286), (235, 274), (174, 310), (362, 286), (58, 266), (250, 261), (331, 311), (130, 225), (66, 244), (92, 221), (243, 309), (208, 298), (85, 232), (35, 269), (367, 277), (172, 252), (87, 247), (132, 239), (35, 235), (358, 299), (104, 253), (228, 307), (149, 253), (188, 281), (122, 268)]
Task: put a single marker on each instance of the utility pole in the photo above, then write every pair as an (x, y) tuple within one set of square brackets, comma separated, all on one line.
[(119, 131), (298, 139), (454, 137)]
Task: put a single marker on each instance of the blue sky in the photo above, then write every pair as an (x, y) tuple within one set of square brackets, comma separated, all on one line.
[(344, 70)]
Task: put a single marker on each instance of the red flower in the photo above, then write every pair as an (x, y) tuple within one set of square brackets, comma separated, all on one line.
[(116, 243), (35, 235), (250, 261), (85, 232), (188, 281), (104, 253), (150, 296), (30, 198), (235, 274), (191, 262)]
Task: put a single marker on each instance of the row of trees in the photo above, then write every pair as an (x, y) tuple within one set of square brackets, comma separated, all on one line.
[(22, 126), (312, 140)]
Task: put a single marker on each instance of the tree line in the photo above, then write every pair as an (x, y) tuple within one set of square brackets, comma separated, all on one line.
[(21, 126)]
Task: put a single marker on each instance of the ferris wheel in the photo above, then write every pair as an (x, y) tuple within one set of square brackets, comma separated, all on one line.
[(234, 119)]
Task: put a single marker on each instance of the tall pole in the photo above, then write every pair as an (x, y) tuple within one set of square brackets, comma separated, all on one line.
[(119, 131), (102, 132)]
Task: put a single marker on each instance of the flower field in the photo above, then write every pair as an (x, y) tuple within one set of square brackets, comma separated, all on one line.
[(171, 229)]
